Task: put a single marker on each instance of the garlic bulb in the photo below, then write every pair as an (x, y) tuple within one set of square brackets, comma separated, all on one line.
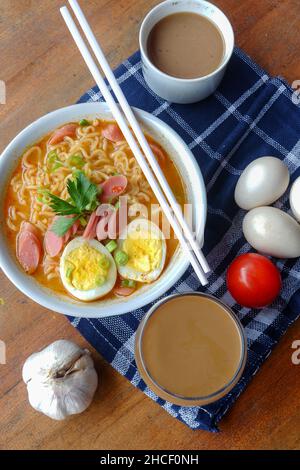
[(61, 379)]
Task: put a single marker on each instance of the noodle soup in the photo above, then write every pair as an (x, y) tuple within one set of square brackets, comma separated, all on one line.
[(64, 192)]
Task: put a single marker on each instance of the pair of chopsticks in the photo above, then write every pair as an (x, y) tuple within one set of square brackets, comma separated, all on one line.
[(122, 112)]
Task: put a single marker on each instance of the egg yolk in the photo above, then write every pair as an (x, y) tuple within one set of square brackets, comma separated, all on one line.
[(144, 251), (86, 268)]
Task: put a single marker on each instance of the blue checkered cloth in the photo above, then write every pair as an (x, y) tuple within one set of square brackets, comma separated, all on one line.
[(251, 115)]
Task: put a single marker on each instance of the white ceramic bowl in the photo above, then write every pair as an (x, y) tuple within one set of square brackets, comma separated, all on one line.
[(196, 194), (181, 90)]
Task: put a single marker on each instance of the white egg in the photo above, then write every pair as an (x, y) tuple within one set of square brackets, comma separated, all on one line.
[(145, 245), (84, 268), (262, 182), (273, 232), (295, 198)]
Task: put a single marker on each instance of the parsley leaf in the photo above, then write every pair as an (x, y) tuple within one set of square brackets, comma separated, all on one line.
[(62, 224), (61, 207), (82, 192), (83, 198)]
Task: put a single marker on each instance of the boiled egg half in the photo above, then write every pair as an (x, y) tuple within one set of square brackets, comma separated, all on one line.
[(145, 247), (87, 269)]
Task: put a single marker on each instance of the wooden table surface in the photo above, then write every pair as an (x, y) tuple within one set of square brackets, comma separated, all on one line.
[(43, 71)]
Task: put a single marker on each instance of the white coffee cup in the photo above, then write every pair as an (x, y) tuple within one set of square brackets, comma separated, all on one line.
[(180, 90)]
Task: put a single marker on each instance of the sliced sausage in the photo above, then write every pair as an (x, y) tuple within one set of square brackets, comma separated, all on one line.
[(75, 228), (53, 243), (58, 136), (112, 132), (29, 251), (123, 291), (29, 227), (90, 230), (66, 237), (72, 231), (113, 187)]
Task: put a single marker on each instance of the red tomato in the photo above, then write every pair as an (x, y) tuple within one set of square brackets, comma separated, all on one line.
[(253, 280)]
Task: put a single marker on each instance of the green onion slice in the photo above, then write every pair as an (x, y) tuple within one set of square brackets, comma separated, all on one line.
[(43, 195), (128, 283), (53, 161), (84, 122), (83, 221), (76, 161), (121, 257), (56, 166), (111, 246)]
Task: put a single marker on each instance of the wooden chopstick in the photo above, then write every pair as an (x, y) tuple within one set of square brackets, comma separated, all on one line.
[(120, 118)]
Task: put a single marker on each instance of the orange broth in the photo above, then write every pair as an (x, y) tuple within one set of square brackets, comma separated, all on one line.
[(11, 200)]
